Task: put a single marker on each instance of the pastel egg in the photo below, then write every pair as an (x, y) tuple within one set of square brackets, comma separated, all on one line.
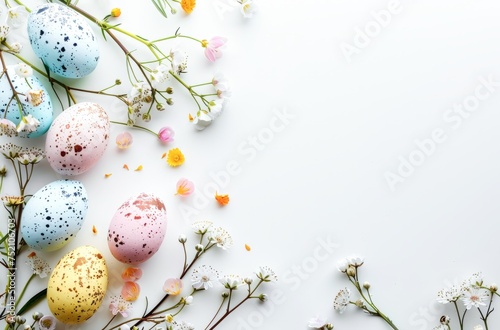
[(63, 40), (137, 229), (43, 111), (77, 138), (54, 215), (77, 285)]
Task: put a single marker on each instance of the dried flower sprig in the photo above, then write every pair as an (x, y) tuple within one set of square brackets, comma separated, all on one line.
[(350, 267)]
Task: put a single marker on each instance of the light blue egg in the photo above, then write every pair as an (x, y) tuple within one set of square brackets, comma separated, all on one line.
[(54, 215), (63, 40), (43, 112)]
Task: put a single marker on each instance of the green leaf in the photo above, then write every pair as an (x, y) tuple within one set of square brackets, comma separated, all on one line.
[(33, 301), (160, 7)]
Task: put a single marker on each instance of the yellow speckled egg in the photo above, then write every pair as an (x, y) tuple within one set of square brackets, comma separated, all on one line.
[(77, 285)]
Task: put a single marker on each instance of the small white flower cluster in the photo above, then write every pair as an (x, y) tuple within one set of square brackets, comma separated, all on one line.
[(140, 94), (204, 277), (204, 118), (471, 291), (318, 322), (215, 235)]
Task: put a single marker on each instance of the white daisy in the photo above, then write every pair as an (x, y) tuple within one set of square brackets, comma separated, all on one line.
[(266, 274), (450, 294), (231, 282), (355, 260), (473, 297), (204, 277), (221, 237), (201, 227)]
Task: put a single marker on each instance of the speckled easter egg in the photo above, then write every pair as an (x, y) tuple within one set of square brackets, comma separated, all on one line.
[(77, 138), (54, 215), (137, 229), (77, 285), (42, 111), (63, 40)]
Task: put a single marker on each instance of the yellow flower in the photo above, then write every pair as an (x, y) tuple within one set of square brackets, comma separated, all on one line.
[(116, 12), (175, 157), (188, 5)]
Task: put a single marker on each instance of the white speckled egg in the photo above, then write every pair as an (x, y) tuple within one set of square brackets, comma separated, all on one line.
[(137, 229), (77, 285), (77, 138), (54, 215), (63, 40), (42, 112)]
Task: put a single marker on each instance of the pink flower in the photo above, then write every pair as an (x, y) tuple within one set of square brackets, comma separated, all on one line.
[(184, 187), (124, 140), (214, 47), (119, 305), (166, 134), (131, 274), (173, 286)]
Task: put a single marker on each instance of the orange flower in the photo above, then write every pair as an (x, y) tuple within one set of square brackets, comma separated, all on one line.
[(188, 5), (175, 157), (130, 291), (131, 274), (222, 199)]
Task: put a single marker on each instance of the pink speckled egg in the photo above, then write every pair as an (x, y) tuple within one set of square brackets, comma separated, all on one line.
[(137, 229), (77, 138)]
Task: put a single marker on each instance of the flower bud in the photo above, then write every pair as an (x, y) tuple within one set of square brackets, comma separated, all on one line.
[(328, 326), (160, 106), (27, 327), (170, 90), (263, 297), (20, 319), (248, 280), (493, 287), (37, 316), (130, 122), (182, 238), (16, 47), (173, 11), (147, 98), (351, 271), (118, 82), (169, 101), (445, 319), (225, 294), (366, 285), (199, 247), (10, 319), (359, 303), (146, 117)]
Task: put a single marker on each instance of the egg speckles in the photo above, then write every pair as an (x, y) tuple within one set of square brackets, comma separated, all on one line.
[(77, 138), (54, 215), (77, 285), (42, 112), (137, 229), (63, 40)]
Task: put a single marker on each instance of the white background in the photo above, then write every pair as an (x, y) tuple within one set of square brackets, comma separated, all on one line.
[(322, 177)]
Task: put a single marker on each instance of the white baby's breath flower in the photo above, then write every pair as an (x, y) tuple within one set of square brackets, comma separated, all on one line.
[(7, 127), (16, 16), (23, 70), (355, 260), (201, 227), (35, 97), (204, 277), (159, 75), (474, 297), (38, 266), (266, 274), (231, 282), (182, 325), (248, 8), (220, 237), (16, 47), (28, 124), (341, 300), (342, 265), (450, 294), (475, 280), (179, 60), (202, 121), (4, 31), (317, 322), (216, 107)]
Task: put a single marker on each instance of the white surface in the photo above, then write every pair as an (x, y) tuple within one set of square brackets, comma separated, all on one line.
[(320, 179)]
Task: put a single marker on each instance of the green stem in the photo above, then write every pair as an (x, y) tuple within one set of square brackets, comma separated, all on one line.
[(24, 289)]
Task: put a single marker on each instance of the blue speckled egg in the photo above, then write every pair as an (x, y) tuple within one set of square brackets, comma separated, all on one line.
[(54, 215), (63, 40), (42, 112), (137, 229)]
